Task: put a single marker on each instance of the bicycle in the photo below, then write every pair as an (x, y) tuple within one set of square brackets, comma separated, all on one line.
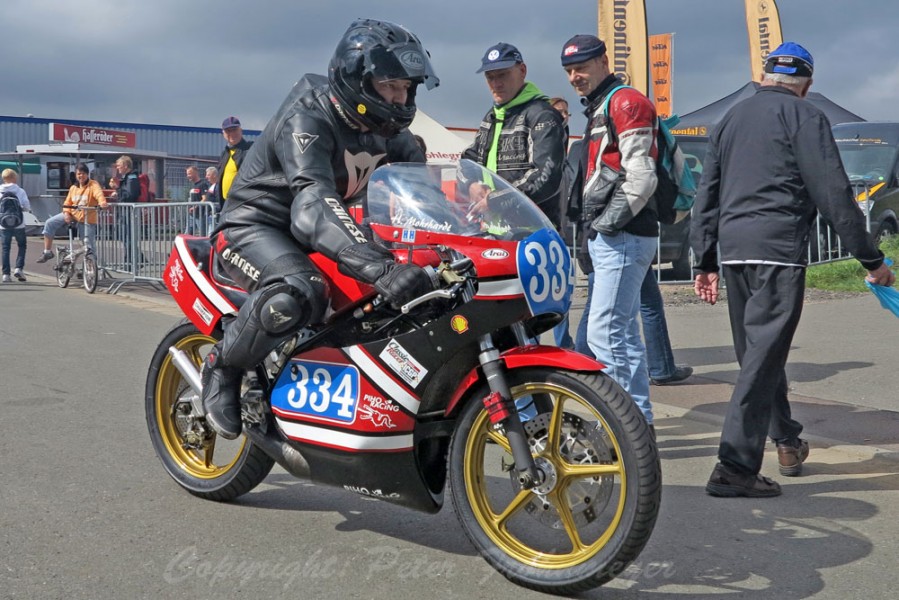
[(68, 259)]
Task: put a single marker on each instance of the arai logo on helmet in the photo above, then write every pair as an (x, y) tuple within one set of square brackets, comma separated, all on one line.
[(411, 59), (495, 254)]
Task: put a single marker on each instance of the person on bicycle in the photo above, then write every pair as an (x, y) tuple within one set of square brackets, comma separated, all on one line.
[(290, 198), (86, 193)]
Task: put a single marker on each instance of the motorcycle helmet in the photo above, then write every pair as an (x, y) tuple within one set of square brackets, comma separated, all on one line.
[(378, 50)]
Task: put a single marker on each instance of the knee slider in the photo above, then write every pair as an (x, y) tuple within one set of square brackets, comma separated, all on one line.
[(314, 292), (281, 308)]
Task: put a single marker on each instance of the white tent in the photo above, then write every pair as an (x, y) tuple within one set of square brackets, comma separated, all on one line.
[(441, 142)]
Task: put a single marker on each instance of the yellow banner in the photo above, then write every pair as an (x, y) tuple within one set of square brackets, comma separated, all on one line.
[(660, 66), (763, 25), (622, 26)]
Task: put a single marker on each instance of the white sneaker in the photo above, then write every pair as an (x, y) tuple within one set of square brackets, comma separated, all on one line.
[(7, 279), (18, 274)]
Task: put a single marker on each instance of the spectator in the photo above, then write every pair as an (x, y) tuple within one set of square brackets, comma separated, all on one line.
[(611, 195), (771, 164), (212, 180), (9, 184), (314, 157), (232, 157), (521, 138), (85, 193), (126, 188), (561, 335), (196, 190)]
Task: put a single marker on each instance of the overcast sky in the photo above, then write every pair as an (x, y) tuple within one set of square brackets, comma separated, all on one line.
[(192, 63)]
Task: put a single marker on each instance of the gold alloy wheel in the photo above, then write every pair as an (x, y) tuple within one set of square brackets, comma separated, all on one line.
[(576, 510), (173, 393)]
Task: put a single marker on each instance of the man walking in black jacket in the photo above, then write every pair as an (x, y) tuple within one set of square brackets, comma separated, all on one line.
[(772, 164)]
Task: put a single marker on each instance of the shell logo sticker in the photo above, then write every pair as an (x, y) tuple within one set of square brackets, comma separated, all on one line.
[(459, 324), (361, 109), (495, 254)]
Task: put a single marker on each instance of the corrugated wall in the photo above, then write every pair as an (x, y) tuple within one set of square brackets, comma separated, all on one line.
[(201, 142)]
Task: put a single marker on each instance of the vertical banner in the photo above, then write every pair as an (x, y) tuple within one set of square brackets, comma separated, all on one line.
[(763, 25), (622, 26), (661, 51)]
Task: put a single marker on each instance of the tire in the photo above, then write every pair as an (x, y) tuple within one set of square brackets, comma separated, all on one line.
[(523, 534), (90, 273), (887, 229), (193, 455), (63, 269)]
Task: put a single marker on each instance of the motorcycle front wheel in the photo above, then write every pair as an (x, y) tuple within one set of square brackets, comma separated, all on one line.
[(193, 455), (596, 507)]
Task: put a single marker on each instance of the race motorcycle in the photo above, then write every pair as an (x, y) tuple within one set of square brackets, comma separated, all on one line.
[(554, 476)]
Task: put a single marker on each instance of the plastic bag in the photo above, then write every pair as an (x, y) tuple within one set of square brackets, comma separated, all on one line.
[(888, 296)]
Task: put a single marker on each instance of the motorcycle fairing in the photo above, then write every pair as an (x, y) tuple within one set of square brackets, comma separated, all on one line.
[(527, 356), (195, 293)]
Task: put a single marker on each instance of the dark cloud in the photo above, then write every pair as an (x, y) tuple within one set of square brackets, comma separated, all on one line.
[(191, 63)]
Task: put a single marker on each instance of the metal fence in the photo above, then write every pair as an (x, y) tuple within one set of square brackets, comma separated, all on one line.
[(136, 239)]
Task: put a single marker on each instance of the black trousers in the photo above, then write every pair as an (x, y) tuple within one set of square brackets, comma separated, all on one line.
[(764, 303)]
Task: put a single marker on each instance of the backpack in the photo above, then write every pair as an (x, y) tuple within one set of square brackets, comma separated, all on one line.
[(676, 186), (145, 194), (10, 211)]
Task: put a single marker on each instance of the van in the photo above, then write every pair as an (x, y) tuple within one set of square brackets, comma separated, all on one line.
[(870, 155), (674, 240)]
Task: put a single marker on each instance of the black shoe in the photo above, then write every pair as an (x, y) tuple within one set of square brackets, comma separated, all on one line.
[(221, 387), (680, 373), (725, 483)]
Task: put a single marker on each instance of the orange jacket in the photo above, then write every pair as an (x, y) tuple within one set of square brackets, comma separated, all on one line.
[(89, 195)]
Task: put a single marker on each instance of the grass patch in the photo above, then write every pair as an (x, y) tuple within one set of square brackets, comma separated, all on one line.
[(847, 275)]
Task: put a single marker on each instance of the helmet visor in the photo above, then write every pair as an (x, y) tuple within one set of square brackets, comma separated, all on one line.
[(400, 61)]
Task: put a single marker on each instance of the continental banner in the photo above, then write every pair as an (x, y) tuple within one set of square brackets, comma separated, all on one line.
[(763, 25), (622, 26), (660, 66)]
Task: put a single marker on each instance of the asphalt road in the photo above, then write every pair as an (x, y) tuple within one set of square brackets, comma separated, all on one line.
[(86, 510)]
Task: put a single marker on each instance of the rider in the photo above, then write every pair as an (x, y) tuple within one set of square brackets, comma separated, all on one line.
[(314, 158)]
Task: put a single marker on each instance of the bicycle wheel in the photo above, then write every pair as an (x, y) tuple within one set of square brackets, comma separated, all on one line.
[(63, 268), (90, 272)]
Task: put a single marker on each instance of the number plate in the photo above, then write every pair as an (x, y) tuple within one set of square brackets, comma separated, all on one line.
[(327, 391), (546, 272)]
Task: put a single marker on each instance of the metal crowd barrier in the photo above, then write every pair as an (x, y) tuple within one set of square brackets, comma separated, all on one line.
[(136, 239)]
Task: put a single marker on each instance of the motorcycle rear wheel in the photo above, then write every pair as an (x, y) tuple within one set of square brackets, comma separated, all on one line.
[(595, 511), (198, 460)]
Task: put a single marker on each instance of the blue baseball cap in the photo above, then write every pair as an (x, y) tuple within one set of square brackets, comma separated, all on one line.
[(791, 59), (500, 56)]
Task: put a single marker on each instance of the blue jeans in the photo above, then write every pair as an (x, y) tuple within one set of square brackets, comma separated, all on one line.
[(85, 230), (655, 329), (620, 263), (659, 355), (21, 241), (561, 336)]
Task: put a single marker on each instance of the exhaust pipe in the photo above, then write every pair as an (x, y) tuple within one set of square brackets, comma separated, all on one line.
[(187, 368), (280, 450)]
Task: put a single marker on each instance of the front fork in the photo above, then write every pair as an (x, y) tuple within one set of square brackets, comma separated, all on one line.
[(503, 414)]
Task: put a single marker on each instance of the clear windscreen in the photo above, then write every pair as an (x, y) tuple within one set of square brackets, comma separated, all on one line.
[(460, 198)]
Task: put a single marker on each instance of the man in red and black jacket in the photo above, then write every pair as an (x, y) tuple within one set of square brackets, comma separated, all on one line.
[(611, 196)]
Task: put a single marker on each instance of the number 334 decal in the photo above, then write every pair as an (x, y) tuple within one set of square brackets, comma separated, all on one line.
[(546, 272)]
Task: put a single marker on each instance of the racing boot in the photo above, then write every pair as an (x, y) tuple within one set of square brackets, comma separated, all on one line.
[(221, 390)]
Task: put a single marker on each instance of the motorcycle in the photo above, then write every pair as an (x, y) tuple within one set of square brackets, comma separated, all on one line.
[(553, 474)]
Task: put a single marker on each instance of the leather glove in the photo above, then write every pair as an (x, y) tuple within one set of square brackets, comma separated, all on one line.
[(402, 283), (373, 264), (365, 262)]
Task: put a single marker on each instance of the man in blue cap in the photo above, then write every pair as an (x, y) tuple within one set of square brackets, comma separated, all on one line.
[(522, 138), (771, 166)]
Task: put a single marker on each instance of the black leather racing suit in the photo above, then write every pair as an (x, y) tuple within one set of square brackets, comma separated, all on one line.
[(288, 200)]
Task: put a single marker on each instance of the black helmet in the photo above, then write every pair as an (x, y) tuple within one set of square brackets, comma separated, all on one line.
[(378, 50)]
